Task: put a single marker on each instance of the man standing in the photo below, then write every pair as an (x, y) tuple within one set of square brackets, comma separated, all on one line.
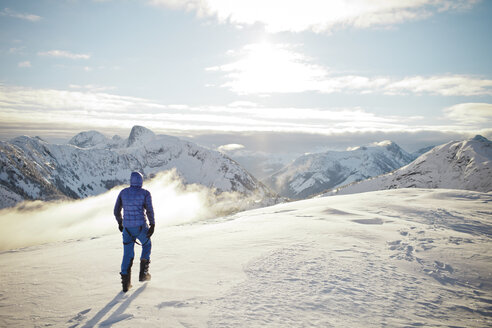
[(137, 206)]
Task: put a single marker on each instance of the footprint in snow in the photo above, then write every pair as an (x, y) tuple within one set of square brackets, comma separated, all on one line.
[(81, 316), (175, 304), (377, 221)]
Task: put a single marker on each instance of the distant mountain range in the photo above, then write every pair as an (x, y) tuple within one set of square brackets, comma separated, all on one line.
[(314, 173), (455, 165), (91, 163)]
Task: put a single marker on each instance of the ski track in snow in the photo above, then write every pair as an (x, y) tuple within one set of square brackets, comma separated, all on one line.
[(397, 258)]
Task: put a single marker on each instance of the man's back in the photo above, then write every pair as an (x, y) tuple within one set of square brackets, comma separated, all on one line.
[(134, 200)]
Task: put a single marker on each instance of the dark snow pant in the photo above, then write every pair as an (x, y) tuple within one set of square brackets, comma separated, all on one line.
[(130, 235)]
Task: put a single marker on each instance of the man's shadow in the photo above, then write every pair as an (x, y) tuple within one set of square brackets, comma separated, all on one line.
[(118, 314)]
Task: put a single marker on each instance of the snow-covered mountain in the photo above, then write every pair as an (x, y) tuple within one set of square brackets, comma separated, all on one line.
[(91, 163), (457, 164), (313, 173)]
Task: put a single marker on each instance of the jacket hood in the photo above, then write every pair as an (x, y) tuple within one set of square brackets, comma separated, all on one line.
[(136, 179)]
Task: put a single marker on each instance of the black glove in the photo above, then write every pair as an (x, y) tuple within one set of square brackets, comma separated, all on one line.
[(120, 225), (151, 231)]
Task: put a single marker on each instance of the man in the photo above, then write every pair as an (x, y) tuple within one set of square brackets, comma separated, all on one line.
[(137, 206)]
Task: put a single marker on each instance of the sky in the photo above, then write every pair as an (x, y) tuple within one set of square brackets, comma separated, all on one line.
[(270, 75)]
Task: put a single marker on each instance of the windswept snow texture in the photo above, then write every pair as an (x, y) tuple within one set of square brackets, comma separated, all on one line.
[(314, 173), (456, 165), (31, 168), (394, 258)]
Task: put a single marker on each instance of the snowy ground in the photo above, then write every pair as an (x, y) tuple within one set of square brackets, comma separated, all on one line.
[(395, 258)]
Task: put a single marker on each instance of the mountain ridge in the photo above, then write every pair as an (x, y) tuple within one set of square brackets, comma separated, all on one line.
[(463, 164), (314, 173), (92, 163)]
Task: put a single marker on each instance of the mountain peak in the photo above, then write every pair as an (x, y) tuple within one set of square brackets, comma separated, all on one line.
[(480, 138), (140, 134), (88, 139), (389, 145)]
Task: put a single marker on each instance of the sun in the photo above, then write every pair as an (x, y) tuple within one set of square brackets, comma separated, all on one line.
[(267, 67)]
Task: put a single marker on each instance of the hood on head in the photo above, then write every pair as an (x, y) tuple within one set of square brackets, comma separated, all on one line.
[(136, 179)]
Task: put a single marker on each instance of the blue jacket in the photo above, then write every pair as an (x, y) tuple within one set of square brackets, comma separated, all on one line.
[(134, 200)]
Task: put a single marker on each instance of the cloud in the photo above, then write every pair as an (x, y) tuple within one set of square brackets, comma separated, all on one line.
[(24, 98), (66, 112), (471, 113), (242, 103), (16, 50), (273, 143), (91, 87), (64, 54), (229, 147), (23, 105), (447, 85), (24, 64), (319, 16), (265, 68), (270, 68), (11, 13)]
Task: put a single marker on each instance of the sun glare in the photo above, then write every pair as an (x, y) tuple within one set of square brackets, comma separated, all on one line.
[(274, 67)]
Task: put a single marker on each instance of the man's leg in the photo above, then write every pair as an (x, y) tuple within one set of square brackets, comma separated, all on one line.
[(128, 251), (146, 243), (127, 262), (145, 256)]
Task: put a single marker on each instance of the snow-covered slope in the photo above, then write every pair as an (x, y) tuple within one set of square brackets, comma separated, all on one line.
[(314, 173), (421, 151), (395, 258), (31, 168), (456, 165)]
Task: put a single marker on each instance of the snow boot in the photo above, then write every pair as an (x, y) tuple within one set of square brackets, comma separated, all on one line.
[(144, 270), (125, 281), (126, 278)]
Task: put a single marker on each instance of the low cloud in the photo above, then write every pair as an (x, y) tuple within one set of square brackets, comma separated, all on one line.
[(12, 13), (318, 16), (272, 143), (471, 113), (34, 223), (44, 112), (63, 54), (383, 143), (229, 147)]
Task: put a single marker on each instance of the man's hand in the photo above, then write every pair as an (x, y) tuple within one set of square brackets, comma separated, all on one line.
[(151, 231), (120, 225)]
